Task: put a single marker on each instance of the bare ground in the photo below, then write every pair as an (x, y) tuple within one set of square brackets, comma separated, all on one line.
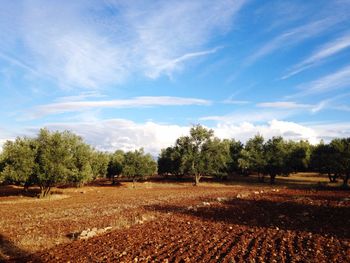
[(178, 223)]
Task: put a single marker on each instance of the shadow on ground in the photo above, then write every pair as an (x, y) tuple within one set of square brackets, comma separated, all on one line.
[(13, 190), (287, 215), (9, 252)]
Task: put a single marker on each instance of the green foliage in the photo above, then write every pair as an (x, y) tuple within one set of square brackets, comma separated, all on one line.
[(252, 157), (299, 154), (18, 160), (55, 159), (324, 160), (138, 165), (99, 164), (50, 159), (81, 169), (115, 164), (235, 148), (275, 157), (194, 151), (197, 155), (342, 158), (2, 166), (169, 161), (216, 157)]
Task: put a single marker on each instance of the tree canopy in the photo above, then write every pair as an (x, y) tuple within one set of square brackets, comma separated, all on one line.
[(50, 159)]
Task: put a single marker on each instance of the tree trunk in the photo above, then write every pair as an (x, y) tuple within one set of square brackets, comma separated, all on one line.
[(346, 179), (133, 182), (197, 178), (332, 178), (44, 191), (26, 187), (261, 177), (272, 178)]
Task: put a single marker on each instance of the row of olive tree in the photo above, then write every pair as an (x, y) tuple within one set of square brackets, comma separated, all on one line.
[(333, 159), (50, 159), (56, 158), (273, 157), (201, 153), (134, 165)]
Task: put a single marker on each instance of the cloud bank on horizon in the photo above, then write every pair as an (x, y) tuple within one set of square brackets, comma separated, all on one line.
[(126, 74)]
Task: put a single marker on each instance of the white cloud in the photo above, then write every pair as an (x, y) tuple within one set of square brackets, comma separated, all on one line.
[(320, 54), (246, 130), (113, 134), (137, 102), (329, 131)]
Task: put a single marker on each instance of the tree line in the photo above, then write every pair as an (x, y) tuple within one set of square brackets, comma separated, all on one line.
[(202, 154), (56, 158)]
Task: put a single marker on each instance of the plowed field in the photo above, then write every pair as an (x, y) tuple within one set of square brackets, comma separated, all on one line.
[(179, 223)]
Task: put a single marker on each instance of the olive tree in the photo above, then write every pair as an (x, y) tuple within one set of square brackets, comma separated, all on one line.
[(169, 162), (298, 156), (216, 156), (342, 158), (275, 154), (54, 160), (80, 165), (324, 161), (138, 165), (252, 157), (18, 161), (99, 164), (115, 165), (194, 151), (235, 149)]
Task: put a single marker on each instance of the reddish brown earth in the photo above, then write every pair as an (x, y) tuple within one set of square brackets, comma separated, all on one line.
[(180, 223)]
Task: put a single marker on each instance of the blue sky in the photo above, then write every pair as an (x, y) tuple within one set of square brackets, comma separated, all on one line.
[(130, 74)]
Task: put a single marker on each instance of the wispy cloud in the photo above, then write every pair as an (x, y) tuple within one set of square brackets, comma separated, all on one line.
[(232, 99), (80, 96), (137, 102), (18, 63), (284, 105), (172, 65), (252, 116), (235, 102), (331, 82), (88, 45), (192, 23), (292, 37), (322, 53), (292, 105)]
